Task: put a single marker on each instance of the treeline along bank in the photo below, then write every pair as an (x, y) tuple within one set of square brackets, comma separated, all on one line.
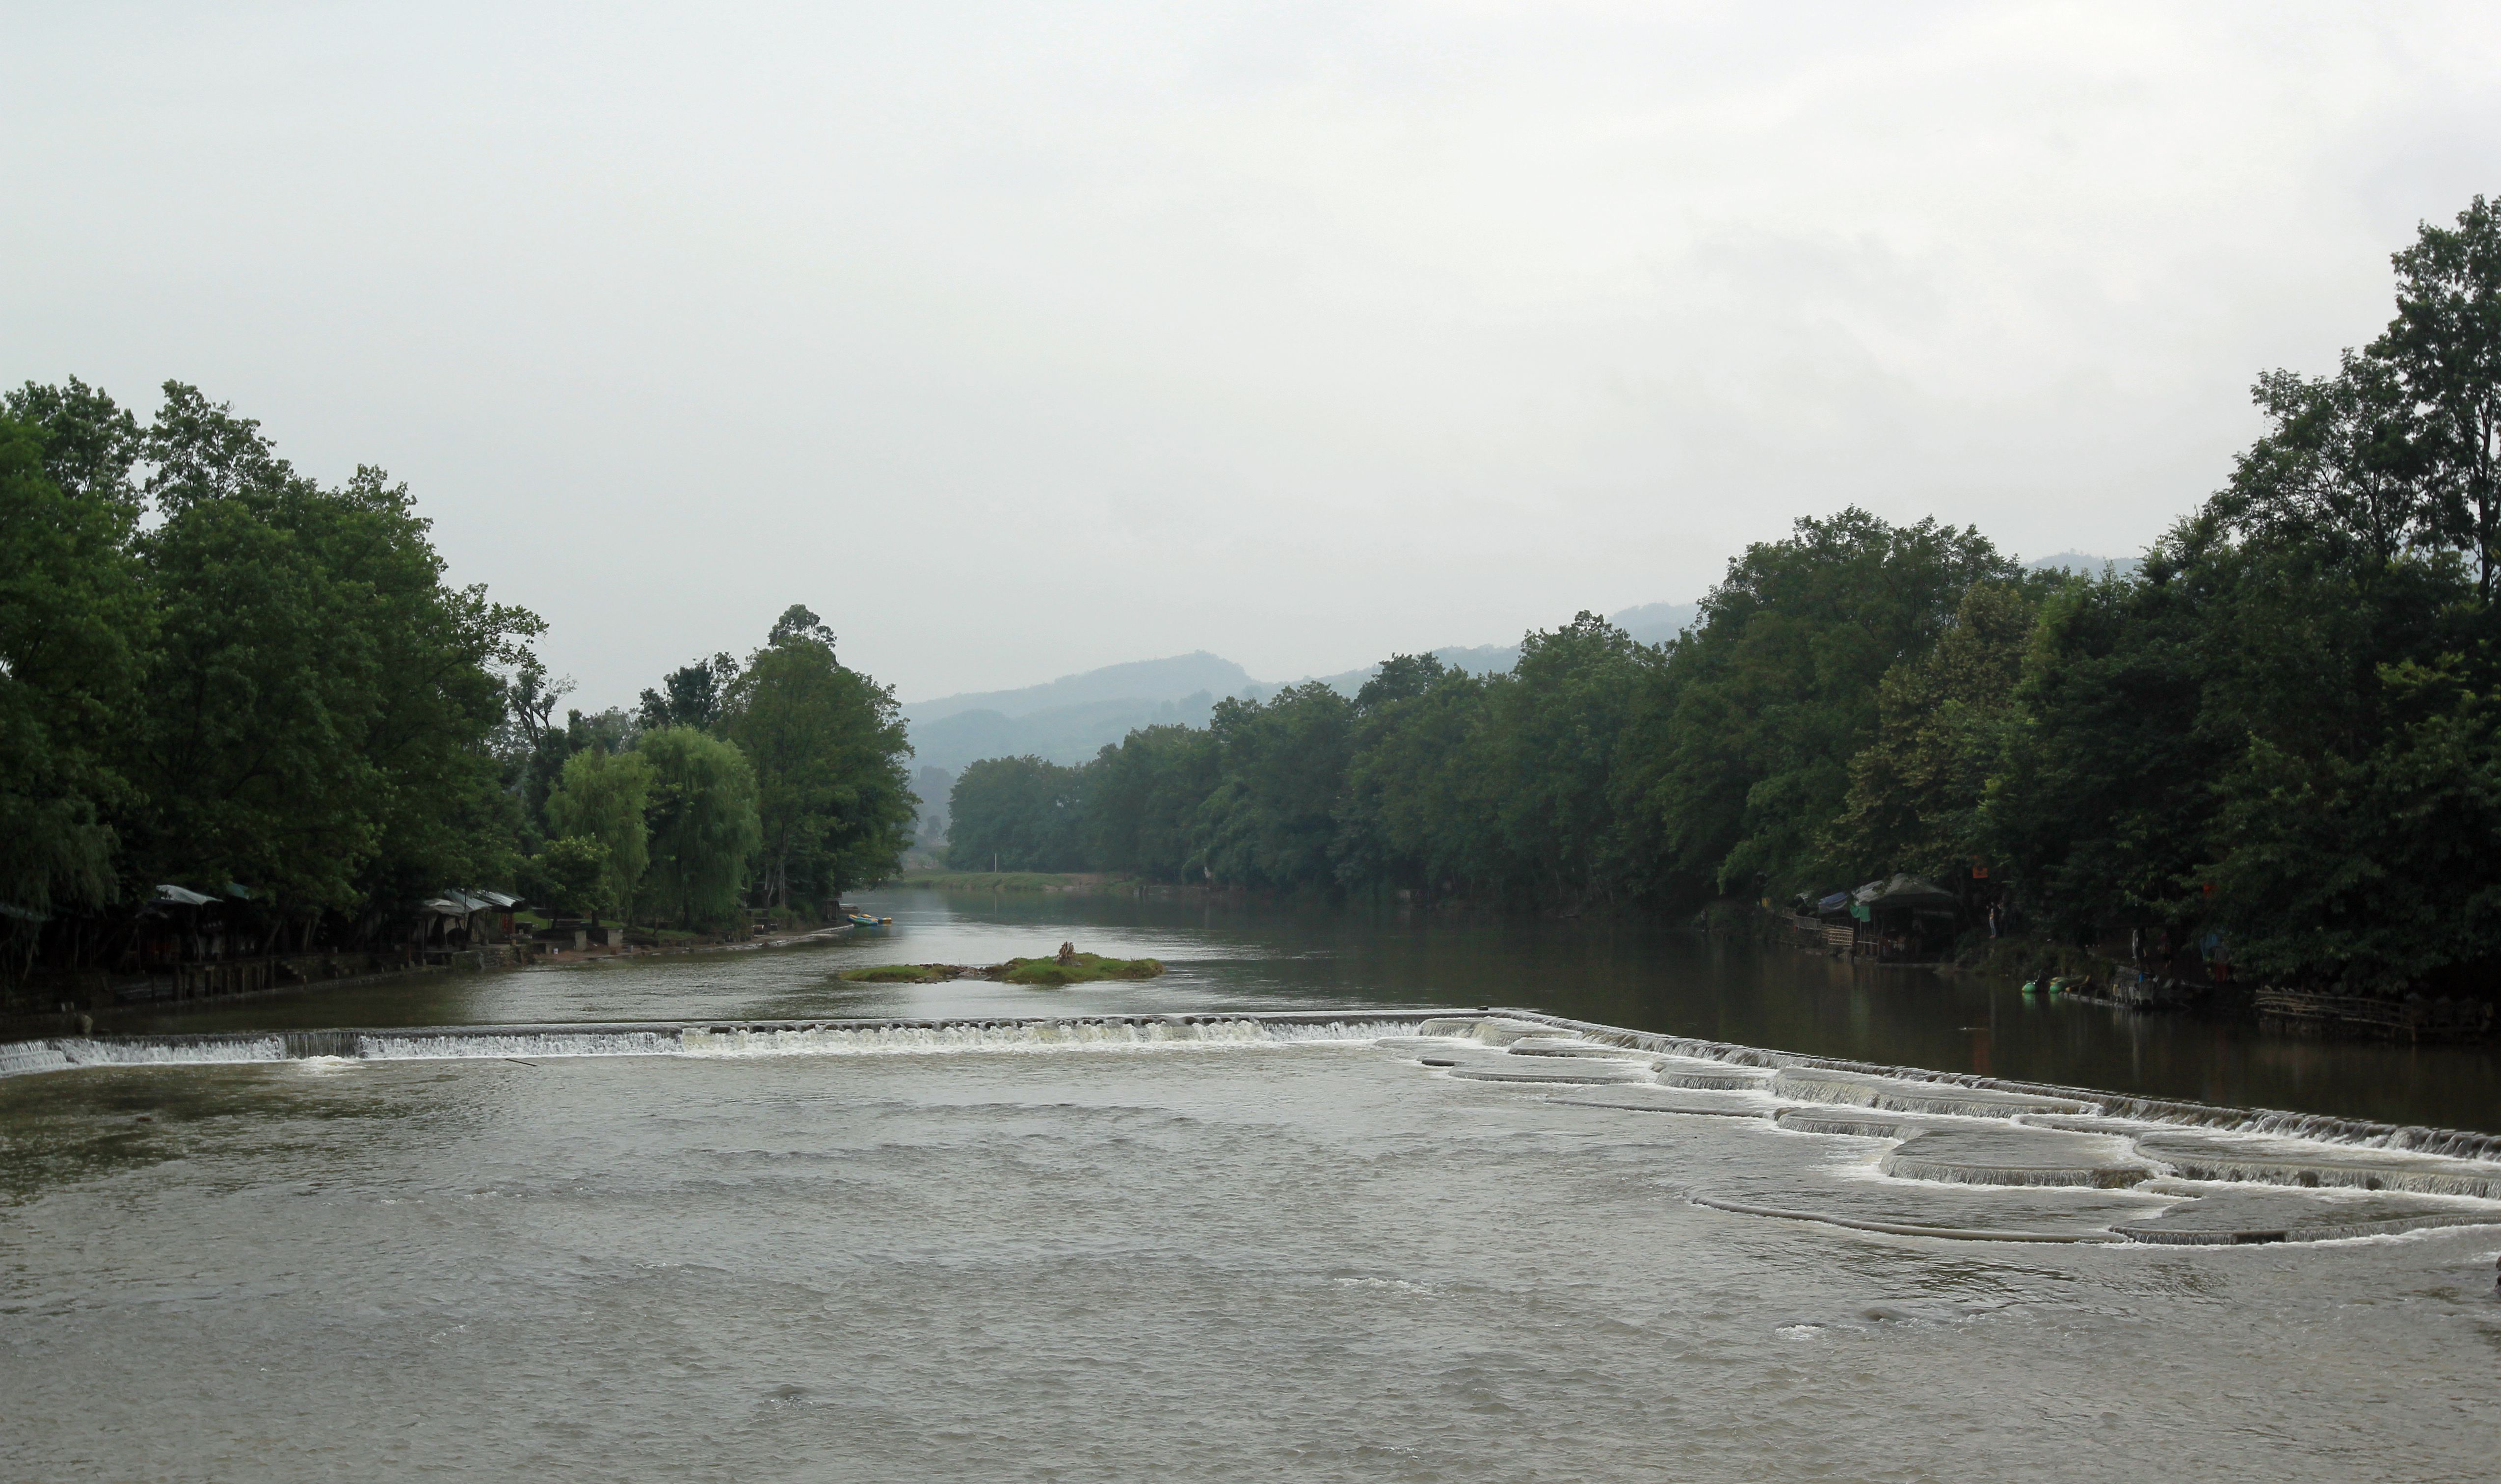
[(249, 733), (2265, 759)]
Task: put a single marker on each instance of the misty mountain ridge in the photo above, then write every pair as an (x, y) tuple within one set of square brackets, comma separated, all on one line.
[(1069, 719), (1164, 679)]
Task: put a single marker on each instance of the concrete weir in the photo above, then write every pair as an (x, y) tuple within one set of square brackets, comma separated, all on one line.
[(1826, 1084), (2265, 1160), (1667, 1099), (2102, 1167), (2009, 1154), (2241, 1215), (1564, 1072), (1717, 1076), (1994, 1139)]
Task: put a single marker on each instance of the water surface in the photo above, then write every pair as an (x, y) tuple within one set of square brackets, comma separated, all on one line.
[(1233, 955)]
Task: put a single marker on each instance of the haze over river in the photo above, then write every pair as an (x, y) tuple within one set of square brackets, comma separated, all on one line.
[(1255, 1258)]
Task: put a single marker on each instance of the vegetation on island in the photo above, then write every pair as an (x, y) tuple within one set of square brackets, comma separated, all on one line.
[(1067, 967), (220, 673), (2281, 728)]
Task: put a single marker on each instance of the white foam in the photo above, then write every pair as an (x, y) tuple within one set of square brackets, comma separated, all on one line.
[(18, 1056), (170, 1053), (736, 1040), (435, 1048)]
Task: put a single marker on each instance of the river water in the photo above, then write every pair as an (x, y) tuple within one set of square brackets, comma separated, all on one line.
[(1231, 955), (1215, 1260)]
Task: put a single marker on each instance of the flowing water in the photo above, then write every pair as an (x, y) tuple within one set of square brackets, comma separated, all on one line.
[(1186, 1249), (1234, 956)]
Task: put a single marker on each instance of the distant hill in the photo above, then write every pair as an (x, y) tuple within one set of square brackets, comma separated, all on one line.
[(1070, 719), (1150, 681), (2089, 566), (1064, 734), (1656, 623)]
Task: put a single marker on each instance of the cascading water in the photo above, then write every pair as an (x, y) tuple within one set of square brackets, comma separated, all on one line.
[(708, 1040)]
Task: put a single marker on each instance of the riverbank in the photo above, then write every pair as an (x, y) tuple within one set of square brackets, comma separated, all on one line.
[(104, 1009), (2105, 974)]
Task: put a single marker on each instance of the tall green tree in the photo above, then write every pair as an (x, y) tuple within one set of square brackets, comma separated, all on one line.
[(704, 828), (1739, 750), (1554, 726), (690, 696), (1141, 799), (829, 750), (605, 797), (320, 703), (1917, 788), (1270, 820), (1016, 813), (2444, 347), (73, 633)]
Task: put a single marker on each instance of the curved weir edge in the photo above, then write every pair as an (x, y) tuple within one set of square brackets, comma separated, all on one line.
[(696, 1037), (2460, 1143)]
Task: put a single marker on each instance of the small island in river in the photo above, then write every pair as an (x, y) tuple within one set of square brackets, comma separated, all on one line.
[(1067, 967)]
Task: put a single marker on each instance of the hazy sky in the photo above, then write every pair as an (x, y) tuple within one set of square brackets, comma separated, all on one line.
[(1020, 340)]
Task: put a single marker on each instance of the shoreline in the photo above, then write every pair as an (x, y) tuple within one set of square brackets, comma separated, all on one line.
[(493, 958)]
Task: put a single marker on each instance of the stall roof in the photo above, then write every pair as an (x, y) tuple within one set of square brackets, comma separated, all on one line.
[(1903, 891), (180, 895)]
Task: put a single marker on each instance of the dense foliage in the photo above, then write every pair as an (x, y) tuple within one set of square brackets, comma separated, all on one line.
[(217, 672), (2281, 729)]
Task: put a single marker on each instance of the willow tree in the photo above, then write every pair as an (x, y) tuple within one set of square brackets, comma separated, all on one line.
[(827, 742), (704, 828), (603, 797)]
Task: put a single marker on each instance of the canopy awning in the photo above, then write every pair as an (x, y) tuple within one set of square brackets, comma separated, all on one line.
[(1905, 893)]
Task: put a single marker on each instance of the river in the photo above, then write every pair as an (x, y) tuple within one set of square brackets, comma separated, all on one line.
[(1247, 1259), (1230, 954)]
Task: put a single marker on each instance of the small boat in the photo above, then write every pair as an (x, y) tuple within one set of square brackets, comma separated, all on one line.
[(864, 920)]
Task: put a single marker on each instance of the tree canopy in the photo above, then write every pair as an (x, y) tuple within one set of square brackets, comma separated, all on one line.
[(2279, 734)]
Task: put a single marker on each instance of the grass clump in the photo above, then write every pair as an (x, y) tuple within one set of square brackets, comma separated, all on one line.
[(901, 974), (1067, 967), (1076, 969)]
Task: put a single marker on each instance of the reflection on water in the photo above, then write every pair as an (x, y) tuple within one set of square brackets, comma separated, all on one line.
[(1233, 955)]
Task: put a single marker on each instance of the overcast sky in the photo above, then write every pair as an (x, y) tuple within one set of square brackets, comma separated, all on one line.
[(1020, 340)]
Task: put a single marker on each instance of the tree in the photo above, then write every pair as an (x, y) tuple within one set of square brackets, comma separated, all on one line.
[(2369, 874), (1738, 751), (1141, 798), (569, 876), (320, 703), (1411, 814), (1553, 727), (603, 797), (2445, 347), (828, 748), (1271, 819), (1016, 813), (689, 697), (73, 628), (1916, 789), (91, 443), (704, 830)]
